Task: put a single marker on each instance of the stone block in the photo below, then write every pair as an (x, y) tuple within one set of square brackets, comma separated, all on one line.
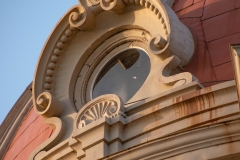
[(115, 147), (97, 151)]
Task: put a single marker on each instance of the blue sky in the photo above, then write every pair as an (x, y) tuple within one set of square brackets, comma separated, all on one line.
[(24, 28)]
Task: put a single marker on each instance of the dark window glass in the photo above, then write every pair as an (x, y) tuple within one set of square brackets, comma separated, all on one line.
[(123, 75)]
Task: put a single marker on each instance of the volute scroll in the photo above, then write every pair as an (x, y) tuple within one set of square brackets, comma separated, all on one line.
[(176, 80), (82, 18), (157, 44), (116, 6), (48, 106)]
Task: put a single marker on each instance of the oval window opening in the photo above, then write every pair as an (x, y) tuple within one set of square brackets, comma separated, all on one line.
[(123, 75)]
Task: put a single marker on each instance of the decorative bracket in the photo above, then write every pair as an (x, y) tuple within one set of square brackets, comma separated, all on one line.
[(177, 80)]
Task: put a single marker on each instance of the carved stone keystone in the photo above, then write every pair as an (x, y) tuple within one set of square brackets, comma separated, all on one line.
[(108, 105)]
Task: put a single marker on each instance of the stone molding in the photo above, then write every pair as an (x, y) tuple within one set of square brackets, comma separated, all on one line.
[(189, 122), (205, 138)]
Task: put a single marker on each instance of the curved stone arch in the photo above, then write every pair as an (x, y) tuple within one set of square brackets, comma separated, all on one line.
[(47, 52)]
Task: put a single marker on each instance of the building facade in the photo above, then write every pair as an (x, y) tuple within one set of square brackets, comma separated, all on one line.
[(133, 79)]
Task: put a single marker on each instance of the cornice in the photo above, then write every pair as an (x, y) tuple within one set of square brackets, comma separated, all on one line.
[(201, 116)]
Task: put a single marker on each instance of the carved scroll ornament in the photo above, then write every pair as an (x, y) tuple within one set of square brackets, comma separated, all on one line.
[(116, 6), (48, 106), (51, 109), (82, 18), (175, 80), (52, 141), (108, 105)]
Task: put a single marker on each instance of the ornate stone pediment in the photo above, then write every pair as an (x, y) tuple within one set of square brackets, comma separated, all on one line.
[(84, 46), (72, 47)]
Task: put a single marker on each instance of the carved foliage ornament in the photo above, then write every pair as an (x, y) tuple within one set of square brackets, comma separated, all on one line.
[(108, 105)]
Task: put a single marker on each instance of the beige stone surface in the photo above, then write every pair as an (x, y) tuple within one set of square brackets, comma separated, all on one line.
[(187, 123), (169, 116)]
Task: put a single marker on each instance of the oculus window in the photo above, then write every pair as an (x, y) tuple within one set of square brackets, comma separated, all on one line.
[(123, 75)]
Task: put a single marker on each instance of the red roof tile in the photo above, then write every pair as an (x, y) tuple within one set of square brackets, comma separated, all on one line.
[(194, 10), (222, 25), (224, 72), (181, 4), (34, 144), (32, 132), (216, 7), (219, 49)]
